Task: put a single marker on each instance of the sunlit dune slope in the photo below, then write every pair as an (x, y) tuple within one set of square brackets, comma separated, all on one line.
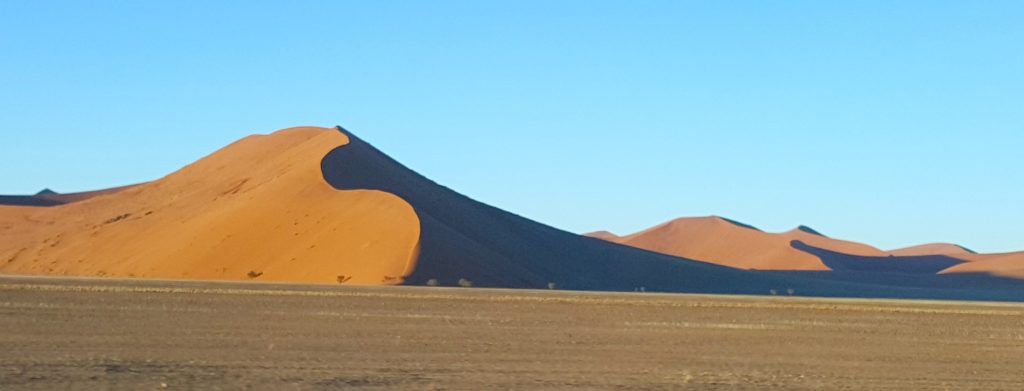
[(257, 209), (932, 249), (726, 242), (1003, 265)]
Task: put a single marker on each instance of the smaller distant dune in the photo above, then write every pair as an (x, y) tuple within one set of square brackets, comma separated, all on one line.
[(1003, 265), (604, 235), (728, 242), (22, 200), (49, 197), (932, 249), (80, 196)]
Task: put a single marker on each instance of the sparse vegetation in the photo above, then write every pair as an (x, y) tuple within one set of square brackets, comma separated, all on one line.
[(343, 279), (432, 282), (790, 291), (551, 285), (254, 274), (773, 292), (465, 283)]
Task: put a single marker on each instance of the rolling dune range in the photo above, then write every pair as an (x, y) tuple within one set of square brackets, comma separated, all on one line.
[(727, 242), (319, 205)]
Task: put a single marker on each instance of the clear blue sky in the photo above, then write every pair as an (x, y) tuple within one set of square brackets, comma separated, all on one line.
[(888, 122)]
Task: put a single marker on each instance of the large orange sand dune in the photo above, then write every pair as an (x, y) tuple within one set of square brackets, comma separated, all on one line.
[(259, 208), (320, 205)]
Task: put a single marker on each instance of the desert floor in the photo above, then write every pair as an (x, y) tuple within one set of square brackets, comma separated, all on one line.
[(127, 334)]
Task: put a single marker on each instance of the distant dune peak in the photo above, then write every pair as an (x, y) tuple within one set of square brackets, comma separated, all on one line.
[(601, 235), (737, 223), (809, 230), (933, 249), (710, 219)]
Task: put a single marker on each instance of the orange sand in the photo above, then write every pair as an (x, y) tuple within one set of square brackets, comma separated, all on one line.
[(259, 205), (932, 249), (604, 235), (81, 196), (718, 240), (1005, 265)]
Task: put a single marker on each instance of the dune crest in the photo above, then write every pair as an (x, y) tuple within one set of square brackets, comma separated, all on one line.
[(257, 209), (728, 242), (932, 249), (604, 235)]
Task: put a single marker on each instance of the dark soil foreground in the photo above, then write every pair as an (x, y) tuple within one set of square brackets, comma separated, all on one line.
[(135, 335)]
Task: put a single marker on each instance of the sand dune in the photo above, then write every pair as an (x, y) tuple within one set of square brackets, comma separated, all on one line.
[(67, 198), (602, 235), (320, 205), (259, 205), (932, 249), (727, 242), (1004, 265), (49, 197)]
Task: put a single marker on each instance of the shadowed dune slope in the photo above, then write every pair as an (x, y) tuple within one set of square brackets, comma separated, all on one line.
[(20, 200), (259, 205), (839, 261), (463, 238), (726, 242)]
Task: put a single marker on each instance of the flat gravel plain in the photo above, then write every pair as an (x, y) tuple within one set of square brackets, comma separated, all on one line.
[(88, 334)]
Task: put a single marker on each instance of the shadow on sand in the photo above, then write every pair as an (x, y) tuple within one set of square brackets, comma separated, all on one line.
[(463, 238)]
